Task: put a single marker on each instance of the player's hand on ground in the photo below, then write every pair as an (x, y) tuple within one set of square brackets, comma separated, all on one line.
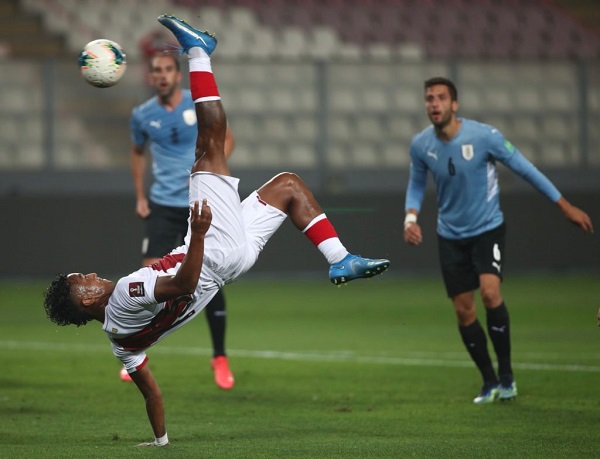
[(598, 317), (201, 218), (152, 443), (412, 234)]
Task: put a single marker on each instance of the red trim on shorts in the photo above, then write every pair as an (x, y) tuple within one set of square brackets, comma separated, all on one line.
[(143, 364), (321, 231), (203, 84), (264, 203)]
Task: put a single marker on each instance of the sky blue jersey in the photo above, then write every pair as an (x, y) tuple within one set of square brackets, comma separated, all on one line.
[(466, 179), (172, 138)]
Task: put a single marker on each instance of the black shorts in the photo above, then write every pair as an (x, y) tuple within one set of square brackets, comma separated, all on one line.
[(165, 228), (463, 260)]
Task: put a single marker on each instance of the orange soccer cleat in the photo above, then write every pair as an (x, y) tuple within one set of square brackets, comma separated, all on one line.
[(223, 376), (124, 376)]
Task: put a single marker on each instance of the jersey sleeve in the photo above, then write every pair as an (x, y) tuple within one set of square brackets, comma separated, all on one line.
[(137, 290), (138, 135), (417, 180), (512, 158)]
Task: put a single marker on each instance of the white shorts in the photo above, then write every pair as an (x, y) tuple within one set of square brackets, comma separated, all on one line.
[(238, 231)]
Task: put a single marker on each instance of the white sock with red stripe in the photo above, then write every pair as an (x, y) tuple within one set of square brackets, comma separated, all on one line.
[(202, 80), (322, 234)]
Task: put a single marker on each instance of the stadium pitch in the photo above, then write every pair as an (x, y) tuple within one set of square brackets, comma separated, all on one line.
[(374, 369)]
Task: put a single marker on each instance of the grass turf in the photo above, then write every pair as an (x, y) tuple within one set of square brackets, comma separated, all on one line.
[(374, 369)]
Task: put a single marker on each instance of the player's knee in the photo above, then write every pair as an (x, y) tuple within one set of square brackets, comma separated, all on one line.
[(465, 312), (466, 317), (288, 183), (287, 179), (490, 296)]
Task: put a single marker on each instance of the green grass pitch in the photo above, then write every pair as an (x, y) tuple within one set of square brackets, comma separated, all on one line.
[(373, 369)]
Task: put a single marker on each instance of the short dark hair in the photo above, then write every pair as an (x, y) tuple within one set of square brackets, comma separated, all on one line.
[(59, 305), (165, 54), (446, 82)]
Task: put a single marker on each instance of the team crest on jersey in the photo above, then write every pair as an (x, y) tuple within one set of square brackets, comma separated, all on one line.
[(136, 289), (467, 152), (189, 116)]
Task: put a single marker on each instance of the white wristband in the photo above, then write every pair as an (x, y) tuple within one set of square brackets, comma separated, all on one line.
[(162, 441), (409, 220)]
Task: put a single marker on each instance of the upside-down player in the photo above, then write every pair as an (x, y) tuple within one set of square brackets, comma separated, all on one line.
[(223, 242), (167, 124)]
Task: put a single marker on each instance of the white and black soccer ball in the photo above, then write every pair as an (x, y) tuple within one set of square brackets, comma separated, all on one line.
[(102, 63)]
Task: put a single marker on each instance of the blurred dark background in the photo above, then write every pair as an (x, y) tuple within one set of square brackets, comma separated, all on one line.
[(331, 90)]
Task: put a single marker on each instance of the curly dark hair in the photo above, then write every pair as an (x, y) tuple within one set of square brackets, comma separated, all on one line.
[(59, 305)]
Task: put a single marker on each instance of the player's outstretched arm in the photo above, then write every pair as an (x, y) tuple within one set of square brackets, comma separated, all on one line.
[(144, 380), (187, 277), (575, 215)]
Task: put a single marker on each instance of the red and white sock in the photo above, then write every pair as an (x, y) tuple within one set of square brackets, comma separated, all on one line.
[(323, 235), (202, 81)]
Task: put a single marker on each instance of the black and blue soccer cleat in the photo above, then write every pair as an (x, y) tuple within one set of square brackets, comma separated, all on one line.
[(187, 36), (356, 267)]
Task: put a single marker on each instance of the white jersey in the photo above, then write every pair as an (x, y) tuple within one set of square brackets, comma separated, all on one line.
[(134, 320)]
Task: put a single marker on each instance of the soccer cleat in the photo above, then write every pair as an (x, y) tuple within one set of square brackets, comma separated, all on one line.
[(507, 392), (355, 267), (124, 376), (187, 36), (488, 394), (223, 375)]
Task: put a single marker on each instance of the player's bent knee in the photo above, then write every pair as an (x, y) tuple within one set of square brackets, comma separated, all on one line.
[(490, 297), (286, 183), (287, 178)]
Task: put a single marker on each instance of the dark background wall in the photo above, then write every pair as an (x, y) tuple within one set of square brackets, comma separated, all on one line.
[(43, 235)]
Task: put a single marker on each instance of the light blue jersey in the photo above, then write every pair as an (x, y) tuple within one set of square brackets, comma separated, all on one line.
[(466, 179), (172, 137)]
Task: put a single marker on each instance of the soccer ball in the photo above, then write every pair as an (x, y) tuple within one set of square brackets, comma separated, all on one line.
[(102, 63)]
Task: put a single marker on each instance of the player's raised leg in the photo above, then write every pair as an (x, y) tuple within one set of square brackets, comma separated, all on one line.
[(212, 122), (286, 192)]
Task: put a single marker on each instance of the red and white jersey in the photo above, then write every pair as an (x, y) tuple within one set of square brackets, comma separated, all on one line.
[(134, 321)]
